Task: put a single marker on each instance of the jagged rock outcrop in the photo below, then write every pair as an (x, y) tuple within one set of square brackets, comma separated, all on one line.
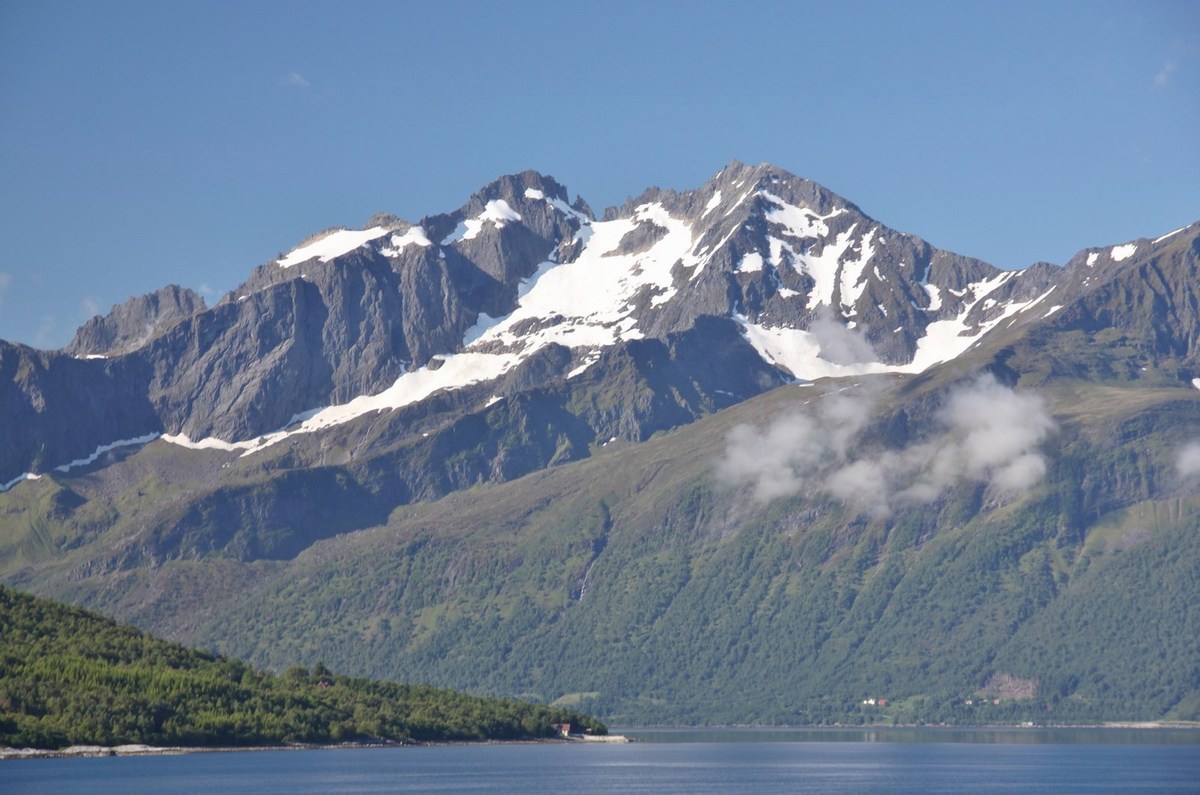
[(132, 324)]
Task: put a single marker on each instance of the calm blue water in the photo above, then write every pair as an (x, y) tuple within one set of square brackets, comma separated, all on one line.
[(669, 762)]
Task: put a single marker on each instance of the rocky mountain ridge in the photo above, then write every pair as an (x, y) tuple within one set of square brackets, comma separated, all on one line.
[(362, 321)]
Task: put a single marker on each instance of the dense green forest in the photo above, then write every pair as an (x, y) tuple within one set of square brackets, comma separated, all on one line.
[(69, 676)]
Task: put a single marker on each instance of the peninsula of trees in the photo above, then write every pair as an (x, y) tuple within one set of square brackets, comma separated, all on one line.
[(69, 676)]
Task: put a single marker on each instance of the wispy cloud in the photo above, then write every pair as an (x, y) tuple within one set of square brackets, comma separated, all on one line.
[(839, 344), (1187, 462), (993, 436), (989, 433), (1164, 75), (90, 306), (46, 336), (790, 453), (296, 80), (5, 281)]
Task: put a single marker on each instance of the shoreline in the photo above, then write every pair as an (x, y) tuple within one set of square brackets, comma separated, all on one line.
[(1140, 725), (103, 751), (137, 749)]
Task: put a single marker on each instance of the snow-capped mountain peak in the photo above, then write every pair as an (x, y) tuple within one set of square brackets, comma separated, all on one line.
[(357, 322)]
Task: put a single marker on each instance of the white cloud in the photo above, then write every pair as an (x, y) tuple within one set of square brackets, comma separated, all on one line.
[(1187, 462), (990, 434), (866, 483), (839, 344), (5, 281), (993, 434), (91, 307), (788, 454), (296, 80), (1164, 74), (46, 336)]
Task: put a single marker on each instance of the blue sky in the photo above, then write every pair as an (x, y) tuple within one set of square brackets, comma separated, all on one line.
[(149, 143)]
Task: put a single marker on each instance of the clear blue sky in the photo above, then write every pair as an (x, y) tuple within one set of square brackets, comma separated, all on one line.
[(148, 143)]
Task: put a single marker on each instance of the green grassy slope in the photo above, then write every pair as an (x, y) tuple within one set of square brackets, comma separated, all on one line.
[(634, 577)]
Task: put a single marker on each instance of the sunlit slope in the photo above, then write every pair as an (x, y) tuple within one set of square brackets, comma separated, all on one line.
[(637, 577)]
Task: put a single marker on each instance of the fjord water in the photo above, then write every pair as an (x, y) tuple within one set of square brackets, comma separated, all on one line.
[(768, 761)]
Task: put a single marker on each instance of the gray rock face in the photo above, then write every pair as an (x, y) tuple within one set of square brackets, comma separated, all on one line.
[(133, 323), (1135, 316), (55, 408)]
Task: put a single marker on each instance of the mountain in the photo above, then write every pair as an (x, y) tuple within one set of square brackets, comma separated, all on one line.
[(739, 453), (520, 285)]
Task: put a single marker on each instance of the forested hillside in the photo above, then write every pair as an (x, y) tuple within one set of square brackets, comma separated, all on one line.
[(69, 676)]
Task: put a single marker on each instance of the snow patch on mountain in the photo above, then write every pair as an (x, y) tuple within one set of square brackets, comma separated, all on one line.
[(851, 281), (800, 352), (19, 479), (1122, 253), (751, 263), (584, 366), (414, 236), (480, 327), (456, 370), (777, 249), (947, 339), (798, 221), (80, 462), (935, 297), (809, 355), (558, 204), (739, 202), (589, 302), (1169, 234), (497, 211), (104, 448), (209, 443), (334, 244), (713, 203), (823, 269)]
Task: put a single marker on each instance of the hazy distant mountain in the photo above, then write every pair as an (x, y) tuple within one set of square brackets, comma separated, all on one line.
[(206, 471)]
